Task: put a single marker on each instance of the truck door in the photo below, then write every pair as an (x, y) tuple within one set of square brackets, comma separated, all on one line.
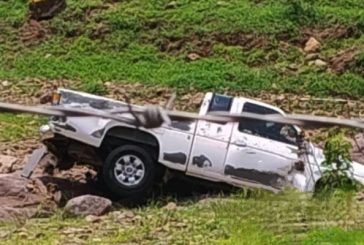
[(261, 152), (211, 140)]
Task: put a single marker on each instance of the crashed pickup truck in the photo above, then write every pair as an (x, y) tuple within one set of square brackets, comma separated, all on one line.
[(249, 153)]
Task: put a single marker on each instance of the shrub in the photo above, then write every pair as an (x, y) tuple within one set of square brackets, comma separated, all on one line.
[(337, 165)]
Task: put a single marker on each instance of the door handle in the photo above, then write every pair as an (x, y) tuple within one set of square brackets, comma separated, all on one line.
[(240, 143)]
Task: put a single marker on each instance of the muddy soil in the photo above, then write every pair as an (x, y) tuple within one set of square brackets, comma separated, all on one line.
[(343, 61), (34, 32)]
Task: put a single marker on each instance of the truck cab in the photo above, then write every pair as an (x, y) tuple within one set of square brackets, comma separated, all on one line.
[(247, 153)]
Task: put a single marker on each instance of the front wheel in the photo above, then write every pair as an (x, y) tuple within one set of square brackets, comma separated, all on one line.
[(129, 172)]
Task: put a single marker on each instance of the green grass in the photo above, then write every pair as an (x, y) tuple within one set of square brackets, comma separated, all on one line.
[(263, 218), (131, 49), (335, 236), (14, 128)]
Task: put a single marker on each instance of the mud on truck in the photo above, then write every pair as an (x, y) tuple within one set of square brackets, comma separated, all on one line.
[(249, 153)]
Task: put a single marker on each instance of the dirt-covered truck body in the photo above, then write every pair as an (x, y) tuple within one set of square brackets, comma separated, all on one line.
[(249, 153)]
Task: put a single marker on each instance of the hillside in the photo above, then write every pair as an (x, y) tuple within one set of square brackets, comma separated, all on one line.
[(143, 50), (238, 45)]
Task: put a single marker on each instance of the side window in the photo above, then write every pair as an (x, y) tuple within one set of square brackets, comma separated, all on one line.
[(220, 103), (270, 130)]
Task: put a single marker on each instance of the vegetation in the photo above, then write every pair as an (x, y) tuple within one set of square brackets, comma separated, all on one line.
[(258, 218), (18, 127), (338, 165), (243, 45), (240, 46)]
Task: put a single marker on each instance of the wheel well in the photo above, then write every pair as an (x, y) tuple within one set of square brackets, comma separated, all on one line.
[(118, 136)]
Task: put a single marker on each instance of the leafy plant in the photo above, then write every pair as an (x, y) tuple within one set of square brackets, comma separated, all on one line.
[(338, 172)]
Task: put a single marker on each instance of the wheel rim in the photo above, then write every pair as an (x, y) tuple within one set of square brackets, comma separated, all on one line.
[(129, 170)]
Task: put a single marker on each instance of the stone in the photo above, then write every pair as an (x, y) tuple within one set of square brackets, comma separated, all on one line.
[(12, 185), (93, 218), (12, 213), (312, 45), (311, 63), (193, 56), (5, 83), (88, 205), (15, 199), (171, 206), (7, 163), (320, 63), (171, 5), (312, 56)]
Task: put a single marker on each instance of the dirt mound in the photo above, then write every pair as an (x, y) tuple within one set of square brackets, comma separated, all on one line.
[(331, 32), (246, 41), (33, 32), (343, 60), (203, 45)]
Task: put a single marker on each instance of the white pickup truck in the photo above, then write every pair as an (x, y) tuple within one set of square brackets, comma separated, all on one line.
[(249, 153)]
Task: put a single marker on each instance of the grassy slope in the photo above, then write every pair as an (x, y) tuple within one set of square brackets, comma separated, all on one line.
[(288, 218), (133, 51)]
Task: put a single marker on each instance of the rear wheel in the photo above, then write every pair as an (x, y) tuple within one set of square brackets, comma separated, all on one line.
[(129, 172)]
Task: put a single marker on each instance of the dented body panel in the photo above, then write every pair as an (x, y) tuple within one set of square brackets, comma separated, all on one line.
[(232, 153)]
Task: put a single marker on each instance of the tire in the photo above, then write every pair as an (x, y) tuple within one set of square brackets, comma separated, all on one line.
[(129, 172)]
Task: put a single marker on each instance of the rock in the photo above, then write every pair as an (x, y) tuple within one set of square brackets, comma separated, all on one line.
[(7, 163), (343, 60), (170, 206), (12, 185), (88, 205), (11, 213), (312, 45), (293, 67), (5, 83), (16, 201), (320, 63), (312, 56), (171, 5), (360, 197), (193, 56), (93, 218)]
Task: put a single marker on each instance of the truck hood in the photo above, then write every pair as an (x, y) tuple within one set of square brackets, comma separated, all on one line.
[(357, 168)]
